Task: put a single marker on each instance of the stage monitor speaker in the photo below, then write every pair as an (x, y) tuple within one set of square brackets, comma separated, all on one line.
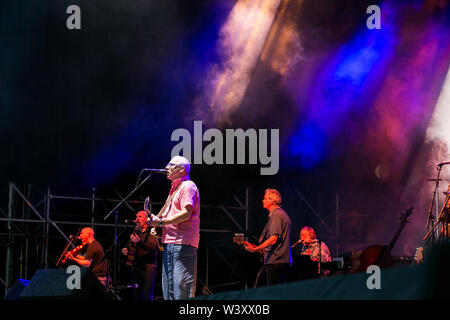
[(426, 281), (15, 292), (52, 284)]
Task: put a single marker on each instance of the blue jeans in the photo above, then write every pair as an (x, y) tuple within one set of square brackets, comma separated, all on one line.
[(179, 271)]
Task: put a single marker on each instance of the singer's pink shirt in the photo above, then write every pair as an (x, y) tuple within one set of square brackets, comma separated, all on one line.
[(186, 232)]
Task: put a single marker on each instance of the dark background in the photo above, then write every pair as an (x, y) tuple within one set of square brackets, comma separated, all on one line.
[(89, 108)]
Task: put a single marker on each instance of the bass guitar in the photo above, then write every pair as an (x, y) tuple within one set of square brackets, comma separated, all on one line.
[(240, 239)]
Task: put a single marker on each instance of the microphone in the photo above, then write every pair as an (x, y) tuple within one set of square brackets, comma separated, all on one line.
[(440, 164), (299, 241), (161, 171), (135, 221), (136, 285)]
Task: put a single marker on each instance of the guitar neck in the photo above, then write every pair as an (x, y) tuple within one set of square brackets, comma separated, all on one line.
[(404, 220), (134, 231), (395, 238)]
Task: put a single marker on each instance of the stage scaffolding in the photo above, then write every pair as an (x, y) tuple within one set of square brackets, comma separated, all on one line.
[(39, 221)]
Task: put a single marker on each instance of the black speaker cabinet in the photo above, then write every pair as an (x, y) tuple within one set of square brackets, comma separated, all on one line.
[(59, 284), (15, 292)]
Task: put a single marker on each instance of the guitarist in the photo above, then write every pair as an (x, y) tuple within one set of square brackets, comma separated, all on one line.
[(180, 221), (144, 247), (274, 242)]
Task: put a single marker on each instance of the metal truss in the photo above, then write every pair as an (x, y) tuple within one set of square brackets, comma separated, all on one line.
[(332, 231), (38, 222)]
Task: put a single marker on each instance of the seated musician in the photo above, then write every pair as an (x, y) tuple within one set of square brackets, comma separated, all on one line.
[(315, 249), (91, 255)]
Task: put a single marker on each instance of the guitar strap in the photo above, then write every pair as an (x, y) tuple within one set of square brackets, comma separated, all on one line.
[(169, 200), (263, 234)]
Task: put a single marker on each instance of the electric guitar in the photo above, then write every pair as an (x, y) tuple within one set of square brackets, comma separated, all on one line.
[(240, 239), (154, 231)]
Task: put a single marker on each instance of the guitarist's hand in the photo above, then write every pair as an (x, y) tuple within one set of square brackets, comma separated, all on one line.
[(251, 247), (154, 220)]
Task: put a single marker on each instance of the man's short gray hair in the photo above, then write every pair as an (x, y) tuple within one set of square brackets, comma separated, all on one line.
[(181, 161)]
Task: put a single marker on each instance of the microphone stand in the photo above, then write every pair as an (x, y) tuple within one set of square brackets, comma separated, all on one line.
[(108, 276), (440, 218), (320, 256), (299, 241), (430, 215), (129, 195), (70, 243)]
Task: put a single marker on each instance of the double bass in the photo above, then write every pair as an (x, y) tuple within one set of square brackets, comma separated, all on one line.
[(378, 254)]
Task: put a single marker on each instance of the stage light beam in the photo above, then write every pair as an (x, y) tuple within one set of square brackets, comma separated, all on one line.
[(439, 128), (242, 38)]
